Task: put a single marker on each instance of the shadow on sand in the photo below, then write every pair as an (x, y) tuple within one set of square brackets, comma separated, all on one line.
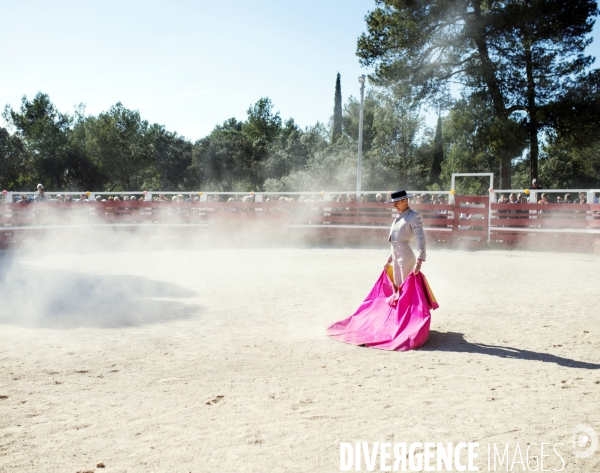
[(61, 299), (455, 342)]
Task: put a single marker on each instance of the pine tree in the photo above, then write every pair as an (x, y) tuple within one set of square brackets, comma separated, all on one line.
[(519, 55), (337, 111), (438, 154)]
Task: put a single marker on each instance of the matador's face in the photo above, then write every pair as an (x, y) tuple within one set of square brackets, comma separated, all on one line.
[(401, 205)]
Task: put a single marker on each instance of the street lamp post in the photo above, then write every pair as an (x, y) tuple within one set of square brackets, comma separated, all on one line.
[(361, 79)]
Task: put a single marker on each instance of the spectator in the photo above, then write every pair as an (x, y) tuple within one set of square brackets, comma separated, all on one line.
[(125, 198), (69, 198), (82, 198), (378, 198), (117, 199), (568, 199), (98, 198), (559, 199), (133, 198), (59, 198), (544, 199), (534, 184), (40, 195), (218, 198)]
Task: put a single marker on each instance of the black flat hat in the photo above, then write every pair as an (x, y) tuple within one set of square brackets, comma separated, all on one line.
[(398, 195)]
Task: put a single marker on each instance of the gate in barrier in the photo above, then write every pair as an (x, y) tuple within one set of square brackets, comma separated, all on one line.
[(471, 227)]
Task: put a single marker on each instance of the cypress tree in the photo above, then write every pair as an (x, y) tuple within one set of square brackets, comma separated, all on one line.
[(337, 110), (438, 154)]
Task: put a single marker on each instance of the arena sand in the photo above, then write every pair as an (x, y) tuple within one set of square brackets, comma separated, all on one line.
[(216, 360)]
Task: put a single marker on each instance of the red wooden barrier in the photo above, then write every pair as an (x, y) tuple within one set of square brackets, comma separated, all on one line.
[(562, 227), (471, 221), (558, 226)]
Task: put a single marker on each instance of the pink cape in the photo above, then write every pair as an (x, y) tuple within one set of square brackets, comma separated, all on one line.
[(387, 321)]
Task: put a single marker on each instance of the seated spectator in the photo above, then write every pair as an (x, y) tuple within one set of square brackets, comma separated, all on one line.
[(559, 199), (98, 198), (82, 198), (175, 198), (117, 199), (133, 198), (69, 198), (544, 199), (378, 198), (125, 198), (231, 199), (568, 199), (111, 198), (196, 199), (59, 198), (218, 198)]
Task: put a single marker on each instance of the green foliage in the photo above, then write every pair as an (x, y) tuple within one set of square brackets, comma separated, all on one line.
[(44, 132), (438, 154), (518, 56), (13, 164), (337, 110)]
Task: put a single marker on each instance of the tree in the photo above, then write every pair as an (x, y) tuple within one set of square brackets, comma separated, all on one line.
[(224, 158), (351, 117), (43, 130), (337, 110), (121, 145), (520, 53), (396, 157), (438, 154), (13, 163), (172, 160)]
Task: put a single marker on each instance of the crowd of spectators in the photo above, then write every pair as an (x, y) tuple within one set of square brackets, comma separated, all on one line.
[(513, 198)]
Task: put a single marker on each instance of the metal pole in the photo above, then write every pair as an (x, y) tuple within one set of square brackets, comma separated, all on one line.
[(361, 79)]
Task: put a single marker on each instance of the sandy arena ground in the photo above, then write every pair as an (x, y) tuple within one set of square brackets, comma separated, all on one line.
[(216, 360)]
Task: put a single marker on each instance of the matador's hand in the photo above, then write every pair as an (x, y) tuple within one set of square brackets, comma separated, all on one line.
[(417, 268)]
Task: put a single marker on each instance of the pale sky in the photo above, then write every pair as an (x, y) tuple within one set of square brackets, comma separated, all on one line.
[(185, 64)]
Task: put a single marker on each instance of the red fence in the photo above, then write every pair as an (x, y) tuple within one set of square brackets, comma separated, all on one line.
[(563, 227), (466, 223)]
